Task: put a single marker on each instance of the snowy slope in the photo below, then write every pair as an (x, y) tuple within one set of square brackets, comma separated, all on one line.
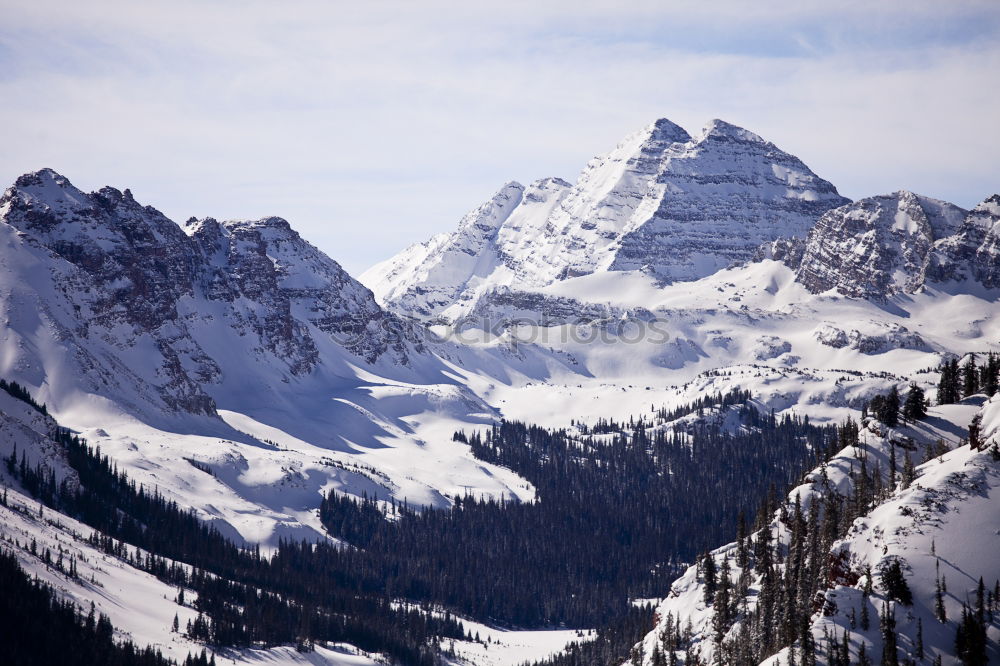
[(945, 523), (634, 343), (140, 606)]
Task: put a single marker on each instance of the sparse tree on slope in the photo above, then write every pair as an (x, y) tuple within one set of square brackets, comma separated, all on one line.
[(970, 377), (915, 406)]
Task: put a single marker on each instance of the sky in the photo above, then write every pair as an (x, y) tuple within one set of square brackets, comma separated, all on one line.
[(374, 125)]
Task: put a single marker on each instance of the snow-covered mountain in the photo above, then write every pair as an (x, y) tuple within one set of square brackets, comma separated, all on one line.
[(123, 279), (240, 345), (236, 344), (244, 374), (662, 202)]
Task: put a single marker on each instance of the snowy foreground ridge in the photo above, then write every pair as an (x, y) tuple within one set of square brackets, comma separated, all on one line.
[(243, 374), (943, 525)]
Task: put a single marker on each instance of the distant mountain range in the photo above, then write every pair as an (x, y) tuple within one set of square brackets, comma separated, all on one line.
[(245, 375)]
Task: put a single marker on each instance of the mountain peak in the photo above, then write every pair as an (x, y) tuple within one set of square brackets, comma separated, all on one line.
[(491, 214), (511, 186), (666, 130), (989, 206), (720, 129), (659, 202), (45, 177), (46, 187)]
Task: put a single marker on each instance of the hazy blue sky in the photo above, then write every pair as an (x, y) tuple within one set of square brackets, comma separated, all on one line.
[(372, 125)]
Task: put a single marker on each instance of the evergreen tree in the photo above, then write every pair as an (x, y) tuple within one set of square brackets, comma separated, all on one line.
[(742, 549), (939, 609), (980, 602), (891, 416), (892, 467), (975, 432), (894, 582), (909, 471), (970, 639), (722, 620), (990, 374), (708, 572), (970, 377), (885, 408), (915, 406), (863, 658), (887, 622), (948, 384), (920, 640)]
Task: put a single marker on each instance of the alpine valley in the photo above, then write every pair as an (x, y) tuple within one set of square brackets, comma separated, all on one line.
[(695, 407)]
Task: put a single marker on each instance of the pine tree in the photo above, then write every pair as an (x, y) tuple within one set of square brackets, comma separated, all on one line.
[(915, 405), (863, 658), (948, 390), (909, 471), (742, 551), (970, 377), (975, 433), (708, 571), (888, 625), (721, 620), (895, 583), (981, 602), (885, 408), (970, 639), (990, 374), (891, 416), (892, 466), (939, 610), (807, 644), (920, 640)]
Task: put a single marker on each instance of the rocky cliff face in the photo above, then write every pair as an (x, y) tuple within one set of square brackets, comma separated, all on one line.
[(142, 301), (877, 246), (674, 206), (896, 243), (973, 252)]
